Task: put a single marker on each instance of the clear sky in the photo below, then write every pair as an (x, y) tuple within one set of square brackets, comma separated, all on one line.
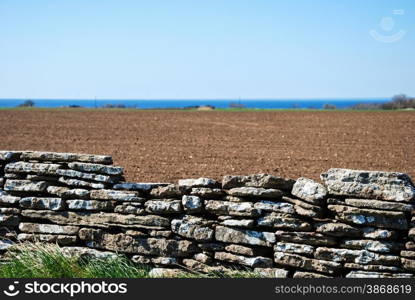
[(206, 49)]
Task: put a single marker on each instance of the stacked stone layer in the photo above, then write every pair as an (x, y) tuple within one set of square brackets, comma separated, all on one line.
[(353, 224)]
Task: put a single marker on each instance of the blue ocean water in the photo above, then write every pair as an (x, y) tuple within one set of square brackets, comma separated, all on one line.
[(218, 103)]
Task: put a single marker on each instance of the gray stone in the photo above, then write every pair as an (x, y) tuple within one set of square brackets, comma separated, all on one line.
[(293, 248), (9, 211), (48, 228), (408, 254), (135, 208), (304, 263), (389, 186), (338, 229), (87, 253), (246, 223), (34, 168), (283, 221), (6, 199), (81, 183), (310, 191), (207, 192), (62, 240), (25, 186), (116, 195), (372, 245), (280, 207), (193, 228), (375, 268), (253, 262), (75, 194), (258, 180), (199, 182), (58, 190), (202, 258), (252, 192), (241, 236), (245, 250), (192, 204), (376, 204), (408, 264), (87, 176), (168, 191), (96, 205), (96, 168), (310, 238), (166, 273), (9, 220), (370, 217), (241, 209), (100, 219), (164, 206), (9, 155), (42, 203), (135, 245), (299, 274), (378, 233), (363, 257), (137, 186), (306, 209), (66, 157)]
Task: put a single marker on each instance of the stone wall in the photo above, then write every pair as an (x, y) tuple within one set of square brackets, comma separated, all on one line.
[(354, 224)]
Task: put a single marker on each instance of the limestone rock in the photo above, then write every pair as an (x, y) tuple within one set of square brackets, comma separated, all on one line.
[(304, 208), (310, 238), (164, 206), (241, 236), (9, 220), (338, 229), (98, 219), (145, 246), (42, 203), (378, 233), (376, 204), (389, 186), (408, 254), (81, 183), (192, 204), (304, 263), (207, 193), (257, 180), (66, 157), (246, 223), (168, 191), (199, 182), (293, 248), (363, 257), (300, 274), (193, 228), (281, 207), (62, 240), (87, 253), (6, 199), (57, 190), (34, 168), (283, 221), (166, 273), (252, 192), (96, 168), (135, 208), (75, 194), (370, 217), (242, 209), (253, 262), (87, 176), (371, 268), (116, 195), (25, 186), (408, 264), (90, 205), (48, 228), (310, 191), (137, 186), (372, 245), (245, 250), (9, 155)]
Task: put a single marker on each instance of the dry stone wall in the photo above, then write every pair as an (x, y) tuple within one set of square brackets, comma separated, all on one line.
[(353, 224)]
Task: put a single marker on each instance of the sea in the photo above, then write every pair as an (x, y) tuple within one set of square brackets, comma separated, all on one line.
[(177, 103)]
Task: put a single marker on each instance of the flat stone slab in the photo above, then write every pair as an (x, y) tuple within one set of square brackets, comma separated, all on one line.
[(34, 168), (48, 228), (73, 182), (257, 180), (252, 192), (92, 205), (193, 228), (66, 157), (96, 168), (137, 186), (129, 196), (389, 186), (283, 221), (164, 206), (370, 217), (62, 240), (364, 274), (192, 204), (372, 245), (25, 185), (87, 176), (309, 238), (199, 182), (242, 236), (241, 209), (253, 262), (281, 207), (301, 249), (42, 203), (7, 200), (376, 204)]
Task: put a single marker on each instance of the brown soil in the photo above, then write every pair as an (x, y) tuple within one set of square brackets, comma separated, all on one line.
[(170, 145)]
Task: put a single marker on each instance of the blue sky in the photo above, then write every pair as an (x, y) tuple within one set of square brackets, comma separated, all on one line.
[(206, 49)]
